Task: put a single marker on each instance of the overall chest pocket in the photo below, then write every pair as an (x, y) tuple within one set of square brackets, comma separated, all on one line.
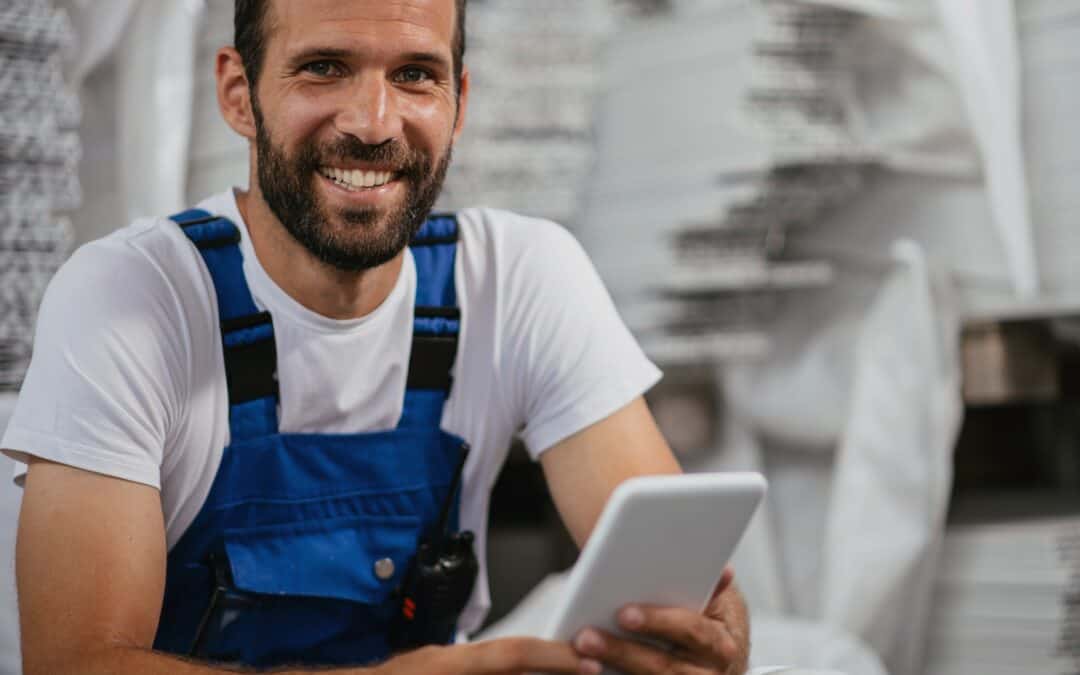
[(360, 559)]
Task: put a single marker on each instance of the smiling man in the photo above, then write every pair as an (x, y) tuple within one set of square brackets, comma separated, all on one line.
[(262, 432)]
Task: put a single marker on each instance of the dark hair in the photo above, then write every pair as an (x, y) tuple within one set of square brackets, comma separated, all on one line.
[(250, 37)]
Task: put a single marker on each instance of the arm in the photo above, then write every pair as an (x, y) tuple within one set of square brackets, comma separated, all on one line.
[(90, 567), (582, 471)]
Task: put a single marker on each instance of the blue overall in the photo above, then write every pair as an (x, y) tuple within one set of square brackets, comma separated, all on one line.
[(297, 552)]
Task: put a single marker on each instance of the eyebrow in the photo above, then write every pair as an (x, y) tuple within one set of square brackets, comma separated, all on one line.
[(317, 53), (314, 53), (427, 57)]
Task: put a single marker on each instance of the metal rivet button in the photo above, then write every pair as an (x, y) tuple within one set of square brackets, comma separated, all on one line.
[(384, 569)]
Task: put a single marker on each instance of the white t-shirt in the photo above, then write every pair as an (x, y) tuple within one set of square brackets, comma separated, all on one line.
[(127, 377)]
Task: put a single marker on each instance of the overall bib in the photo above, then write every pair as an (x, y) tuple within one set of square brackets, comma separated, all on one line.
[(297, 553)]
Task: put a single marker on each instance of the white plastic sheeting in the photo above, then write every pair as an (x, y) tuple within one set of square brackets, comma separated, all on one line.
[(894, 468), (855, 415), (851, 538), (156, 74), (983, 36), (939, 86), (139, 133), (100, 26)]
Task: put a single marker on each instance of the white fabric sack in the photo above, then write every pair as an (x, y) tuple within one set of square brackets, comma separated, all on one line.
[(156, 68), (137, 119), (984, 39), (894, 467), (99, 26), (851, 541), (938, 89)]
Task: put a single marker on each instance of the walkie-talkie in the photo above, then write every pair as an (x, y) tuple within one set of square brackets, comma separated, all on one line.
[(439, 581)]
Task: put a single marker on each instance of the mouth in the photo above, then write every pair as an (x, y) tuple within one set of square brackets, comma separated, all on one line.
[(355, 180)]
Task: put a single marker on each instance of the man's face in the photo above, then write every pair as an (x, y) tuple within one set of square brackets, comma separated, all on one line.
[(356, 113)]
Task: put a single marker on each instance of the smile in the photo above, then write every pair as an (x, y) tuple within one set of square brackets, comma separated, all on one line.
[(355, 179)]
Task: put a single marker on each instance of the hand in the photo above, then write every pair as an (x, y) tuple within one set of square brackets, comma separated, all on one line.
[(716, 641), (505, 656)]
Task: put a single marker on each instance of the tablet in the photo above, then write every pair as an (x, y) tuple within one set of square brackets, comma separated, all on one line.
[(660, 540)]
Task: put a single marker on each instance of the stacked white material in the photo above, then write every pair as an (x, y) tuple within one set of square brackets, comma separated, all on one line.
[(1050, 54), (528, 144), (39, 149), (1006, 595), (700, 206)]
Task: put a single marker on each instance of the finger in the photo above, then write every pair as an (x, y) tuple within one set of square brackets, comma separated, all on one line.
[(517, 655), (726, 579), (702, 636), (632, 658)]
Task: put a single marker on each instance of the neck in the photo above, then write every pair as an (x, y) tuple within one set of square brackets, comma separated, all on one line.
[(322, 288)]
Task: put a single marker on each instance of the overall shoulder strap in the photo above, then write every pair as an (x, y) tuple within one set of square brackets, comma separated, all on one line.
[(247, 334), (436, 322)]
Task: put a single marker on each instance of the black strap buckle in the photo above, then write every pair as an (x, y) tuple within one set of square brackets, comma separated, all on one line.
[(250, 368), (433, 356)]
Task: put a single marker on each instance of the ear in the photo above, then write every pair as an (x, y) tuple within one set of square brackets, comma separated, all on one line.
[(462, 104), (233, 93)]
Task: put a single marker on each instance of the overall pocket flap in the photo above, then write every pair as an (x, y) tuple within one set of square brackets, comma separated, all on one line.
[(361, 559)]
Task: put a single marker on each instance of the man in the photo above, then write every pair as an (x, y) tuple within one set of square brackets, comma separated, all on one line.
[(233, 444)]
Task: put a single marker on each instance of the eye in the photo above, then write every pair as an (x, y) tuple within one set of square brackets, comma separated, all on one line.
[(323, 68), (412, 75)]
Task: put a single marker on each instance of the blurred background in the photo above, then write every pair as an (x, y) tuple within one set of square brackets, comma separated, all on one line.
[(843, 228)]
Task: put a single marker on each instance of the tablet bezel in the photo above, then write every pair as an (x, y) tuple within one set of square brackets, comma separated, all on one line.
[(638, 508)]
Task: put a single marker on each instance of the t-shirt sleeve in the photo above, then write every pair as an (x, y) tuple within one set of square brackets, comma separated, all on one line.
[(568, 361), (105, 379)]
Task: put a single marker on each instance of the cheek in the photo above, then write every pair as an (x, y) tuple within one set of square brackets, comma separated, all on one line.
[(430, 123), (299, 119)]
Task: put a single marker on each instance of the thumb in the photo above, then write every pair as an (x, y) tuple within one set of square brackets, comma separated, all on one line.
[(725, 581)]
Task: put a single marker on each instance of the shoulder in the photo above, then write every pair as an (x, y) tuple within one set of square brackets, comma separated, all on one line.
[(118, 262), (520, 251), (140, 292), (509, 233), (112, 360), (147, 261)]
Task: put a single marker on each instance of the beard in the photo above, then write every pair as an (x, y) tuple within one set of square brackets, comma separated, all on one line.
[(350, 240)]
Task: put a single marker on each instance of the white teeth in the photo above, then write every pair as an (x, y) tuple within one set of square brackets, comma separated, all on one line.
[(356, 178)]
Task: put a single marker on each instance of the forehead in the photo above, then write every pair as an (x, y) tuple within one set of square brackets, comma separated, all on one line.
[(404, 25)]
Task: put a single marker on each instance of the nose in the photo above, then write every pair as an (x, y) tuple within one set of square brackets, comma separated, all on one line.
[(369, 111)]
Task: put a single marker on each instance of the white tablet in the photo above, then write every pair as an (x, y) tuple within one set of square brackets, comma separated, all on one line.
[(661, 540)]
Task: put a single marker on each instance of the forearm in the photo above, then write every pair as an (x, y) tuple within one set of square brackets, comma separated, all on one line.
[(138, 661), (495, 657)]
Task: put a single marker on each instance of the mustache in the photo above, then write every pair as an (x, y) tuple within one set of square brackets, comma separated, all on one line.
[(392, 153)]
